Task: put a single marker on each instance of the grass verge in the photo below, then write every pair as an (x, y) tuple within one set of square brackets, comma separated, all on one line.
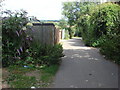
[(21, 77)]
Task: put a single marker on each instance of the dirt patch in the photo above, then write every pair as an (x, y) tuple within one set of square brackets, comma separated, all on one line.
[(35, 73), (5, 74)]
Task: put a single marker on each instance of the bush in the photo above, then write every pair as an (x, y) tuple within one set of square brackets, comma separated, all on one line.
[(111, 48), (18, 48), (101, 28), (14, 39), (108, 25), (104, 20), (44, 54)]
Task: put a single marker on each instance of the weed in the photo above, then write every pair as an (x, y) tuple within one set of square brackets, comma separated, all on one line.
[(18, 78), (48, 73)]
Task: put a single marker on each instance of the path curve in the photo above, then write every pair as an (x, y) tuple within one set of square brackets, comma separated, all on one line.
[(84, 67)]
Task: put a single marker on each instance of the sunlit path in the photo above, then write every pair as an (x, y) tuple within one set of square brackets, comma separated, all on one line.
[(85, 67)]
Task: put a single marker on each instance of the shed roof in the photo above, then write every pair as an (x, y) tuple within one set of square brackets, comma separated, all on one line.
[(45, 24)]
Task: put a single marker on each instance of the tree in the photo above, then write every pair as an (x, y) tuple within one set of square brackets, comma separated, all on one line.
[(68, 9), (75, 12), (62, 24)]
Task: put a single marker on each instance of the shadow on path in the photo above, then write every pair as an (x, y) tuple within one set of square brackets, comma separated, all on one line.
[(84, 67)]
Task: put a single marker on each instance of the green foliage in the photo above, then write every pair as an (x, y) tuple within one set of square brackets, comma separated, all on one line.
[(43, 54), (111, 48), (19, 49), (20, 81), (84, 23), (14, 39), (99, 42), (17, 77), (70, 11), (99, 25), (66, 34), (48, 73), (51, 69), (17, 69), (24, 77), (106, 30), (102, 21), (62, 24), (75, 12), (101, 28)]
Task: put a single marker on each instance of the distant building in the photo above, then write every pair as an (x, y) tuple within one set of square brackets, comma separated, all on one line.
[(33, 19)]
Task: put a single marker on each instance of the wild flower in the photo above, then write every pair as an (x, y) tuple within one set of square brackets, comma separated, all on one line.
[(20, 32), (21, 49), (31, 39), (17, 33), (18, 51)]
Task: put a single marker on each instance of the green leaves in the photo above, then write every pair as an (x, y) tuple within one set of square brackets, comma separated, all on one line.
[(46, 54), (101, 28), (62, 24), (14, 37)]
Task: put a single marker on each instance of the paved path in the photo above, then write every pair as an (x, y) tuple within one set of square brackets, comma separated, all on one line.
[(84, 67)]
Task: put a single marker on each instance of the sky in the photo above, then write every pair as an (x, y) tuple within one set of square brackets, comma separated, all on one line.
[(42, 9)]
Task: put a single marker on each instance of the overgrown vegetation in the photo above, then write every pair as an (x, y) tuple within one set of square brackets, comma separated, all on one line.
[(44, 54), (102, 29), (20, 49), (21, 54), (48, 73), (73, 12), (98, 24), (27, 77), (15, 41)]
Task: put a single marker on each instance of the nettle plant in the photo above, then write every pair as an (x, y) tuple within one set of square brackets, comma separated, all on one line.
[(15, 41)]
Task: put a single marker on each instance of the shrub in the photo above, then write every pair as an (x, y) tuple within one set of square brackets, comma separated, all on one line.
[(104, 20), (18, 48), (44, 54), (109, 27), (101, 28), (111, 48), (14, 39)]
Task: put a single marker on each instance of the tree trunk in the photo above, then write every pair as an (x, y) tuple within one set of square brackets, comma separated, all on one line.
[(70, 33)]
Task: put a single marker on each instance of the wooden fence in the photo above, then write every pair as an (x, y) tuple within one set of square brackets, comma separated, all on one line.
[(45, 33)]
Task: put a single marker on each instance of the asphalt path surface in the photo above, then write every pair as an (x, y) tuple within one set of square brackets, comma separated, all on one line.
[(85, 67)]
